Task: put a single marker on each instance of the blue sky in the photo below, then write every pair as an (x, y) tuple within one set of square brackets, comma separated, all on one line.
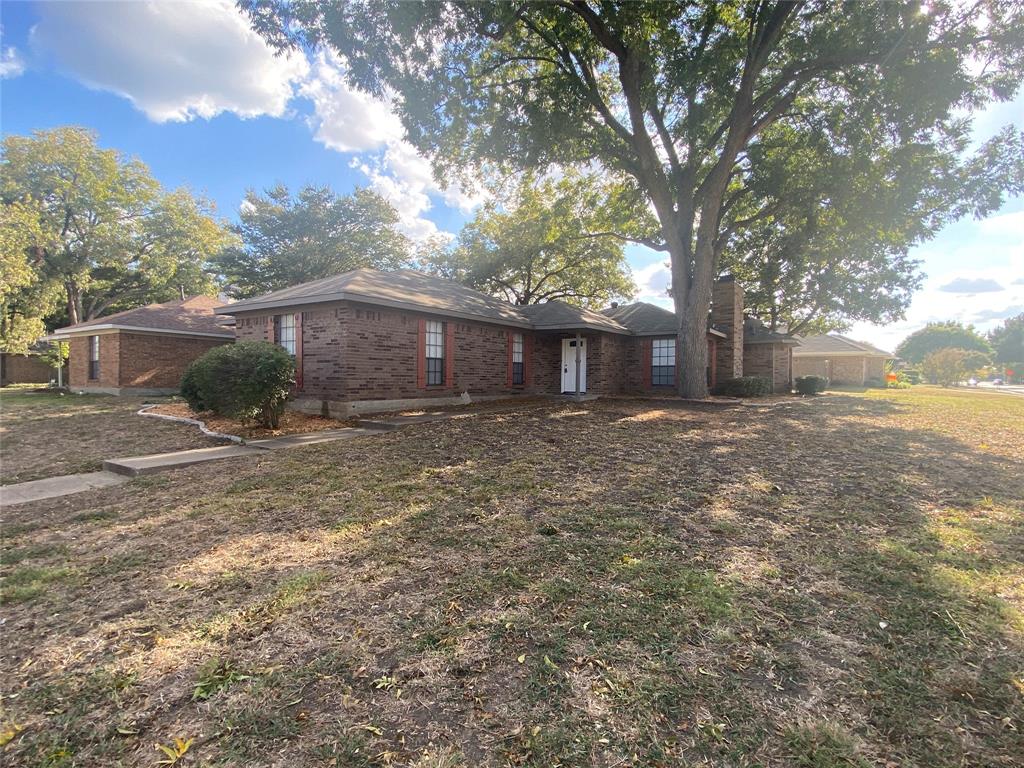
[(190, 90)]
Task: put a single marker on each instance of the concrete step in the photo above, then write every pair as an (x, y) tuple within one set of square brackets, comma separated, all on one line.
[(133, 466), (52, 487), (306, 438)]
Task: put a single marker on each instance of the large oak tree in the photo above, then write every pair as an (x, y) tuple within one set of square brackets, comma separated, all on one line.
[(541, 239), (104, 230), (288, 239), (672, 95)]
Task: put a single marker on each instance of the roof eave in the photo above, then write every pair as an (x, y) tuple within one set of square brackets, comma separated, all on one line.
[(581, 327), (63, 334), (852, 353)]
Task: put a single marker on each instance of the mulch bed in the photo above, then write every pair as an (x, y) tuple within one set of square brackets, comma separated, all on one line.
[(291, 423)]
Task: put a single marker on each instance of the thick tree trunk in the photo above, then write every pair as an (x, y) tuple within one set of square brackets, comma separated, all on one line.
[(74, 302), (691, 294)]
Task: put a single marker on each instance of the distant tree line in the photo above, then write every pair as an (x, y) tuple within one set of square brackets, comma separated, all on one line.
[(86, 231), (948, 352)]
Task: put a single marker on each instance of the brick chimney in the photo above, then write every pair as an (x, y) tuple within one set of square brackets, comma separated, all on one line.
[(727, 316)]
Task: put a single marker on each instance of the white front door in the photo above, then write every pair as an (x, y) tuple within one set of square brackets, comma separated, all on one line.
[(569, 365)]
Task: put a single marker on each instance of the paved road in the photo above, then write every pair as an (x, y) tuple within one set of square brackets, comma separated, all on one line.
[(1006, 389)]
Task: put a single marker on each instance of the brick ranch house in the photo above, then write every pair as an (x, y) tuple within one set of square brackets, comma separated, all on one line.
[(142, 351), (840, 360), (368, 340)]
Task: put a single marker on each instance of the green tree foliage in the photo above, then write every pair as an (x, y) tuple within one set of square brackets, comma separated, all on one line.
[(819, 237), (545, 240), (1008, 341), (249, 381), (24, 293), (674, 97), (937, 336), (106, 233), (288, 240), (949, 366)]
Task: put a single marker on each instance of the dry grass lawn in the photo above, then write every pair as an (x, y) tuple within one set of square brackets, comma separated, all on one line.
[(823, 583), (45, 435)]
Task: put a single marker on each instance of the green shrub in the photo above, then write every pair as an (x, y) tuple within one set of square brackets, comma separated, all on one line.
[(745, 386), (912, 375), (902, 381), (248, 381), (810, 385)]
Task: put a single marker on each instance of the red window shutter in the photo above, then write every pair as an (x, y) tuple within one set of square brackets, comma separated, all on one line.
[(527, 360), (421, 355), (270, 328), (645, 362), (449, 354), (508, 337), (298, 350)]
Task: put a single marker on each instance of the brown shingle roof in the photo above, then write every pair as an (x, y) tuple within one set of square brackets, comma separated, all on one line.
[(756, 332), (193, 315), (834, 344), (401, 288), (557, 315)]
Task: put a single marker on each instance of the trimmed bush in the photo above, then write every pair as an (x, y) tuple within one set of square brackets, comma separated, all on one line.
[(810, 385), (745, 386), (248, 381)]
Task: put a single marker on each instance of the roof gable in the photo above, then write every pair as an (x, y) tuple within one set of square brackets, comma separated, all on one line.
[(644, 319), (193, 315), (834, 344), (401, 288)]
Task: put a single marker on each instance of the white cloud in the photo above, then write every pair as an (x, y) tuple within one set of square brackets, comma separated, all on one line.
[(983, 310), (971, 285), (11, 63), (652, 282), (174, 61), (345, 119)]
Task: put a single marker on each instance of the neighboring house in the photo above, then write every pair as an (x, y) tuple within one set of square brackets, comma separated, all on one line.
[(25, 369), (368, 340), (768, 354), (840, 360), (142, 351)]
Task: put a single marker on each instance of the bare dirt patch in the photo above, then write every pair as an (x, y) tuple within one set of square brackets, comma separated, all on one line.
[(836, 582), (43, 434)]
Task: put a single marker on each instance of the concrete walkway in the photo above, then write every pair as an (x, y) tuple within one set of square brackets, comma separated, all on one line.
[(134, 466), (117, 471), (51, 487)]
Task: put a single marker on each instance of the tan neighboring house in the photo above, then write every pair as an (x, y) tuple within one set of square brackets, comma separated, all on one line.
[(840, 360), (142, 351)]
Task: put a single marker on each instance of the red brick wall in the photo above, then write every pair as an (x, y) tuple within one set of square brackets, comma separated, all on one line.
[(727, 314), (357, 351), (26, 369), (78, 361), (606, 363), (770, 361), (547, 363), (153, 361), (145, 361)]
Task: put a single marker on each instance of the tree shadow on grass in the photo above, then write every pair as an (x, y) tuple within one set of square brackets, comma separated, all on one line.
[(683, 586)]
